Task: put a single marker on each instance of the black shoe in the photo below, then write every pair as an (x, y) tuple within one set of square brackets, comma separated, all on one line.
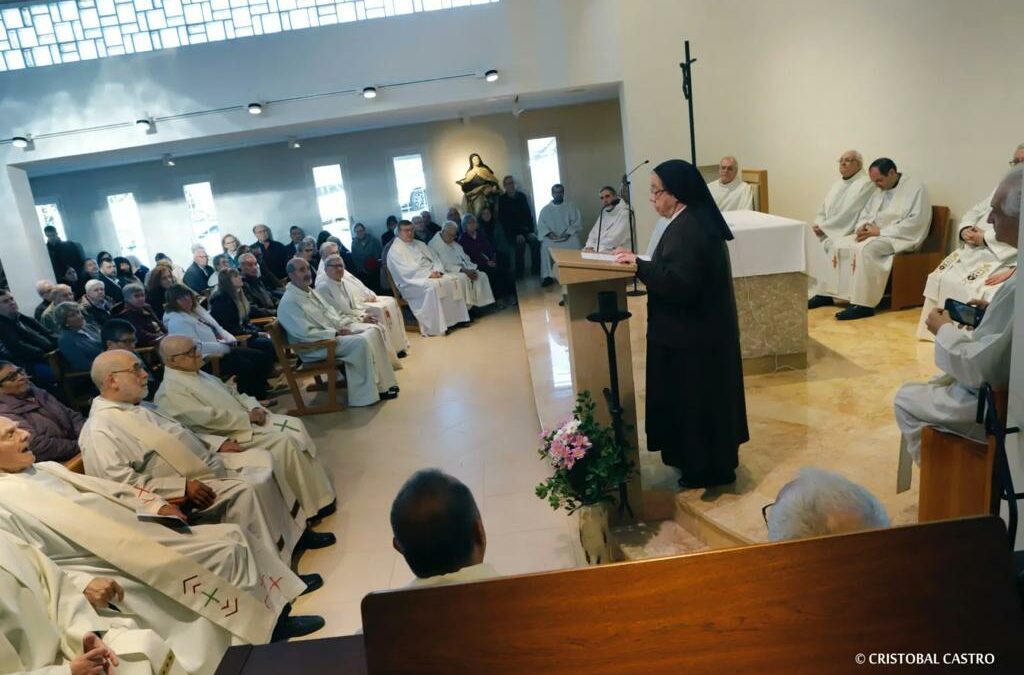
[(313, 540), (820, 301), (855, 312), (402, 355), (561, 303), (394, 389), (327, 510), (296, 626), (313, 582), (547, 282), (388, 395)]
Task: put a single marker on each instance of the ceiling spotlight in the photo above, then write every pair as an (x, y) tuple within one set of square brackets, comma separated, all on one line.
[(255, 108), (21, 141), (294, 144), (144, 124), (369, 92), (168, 160), (491, 75)]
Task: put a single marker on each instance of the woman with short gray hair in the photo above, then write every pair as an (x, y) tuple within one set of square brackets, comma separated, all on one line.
[(79, 343)]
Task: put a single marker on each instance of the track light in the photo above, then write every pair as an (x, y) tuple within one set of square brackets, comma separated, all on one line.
[(491, 75), (21, 141), (255, 108), (168, 160), (369, 92), (294, 144)]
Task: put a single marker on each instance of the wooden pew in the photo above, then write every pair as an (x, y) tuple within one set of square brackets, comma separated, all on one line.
[(910, 270)]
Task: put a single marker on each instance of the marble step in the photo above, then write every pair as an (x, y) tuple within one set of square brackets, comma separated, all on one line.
[(654, 540)]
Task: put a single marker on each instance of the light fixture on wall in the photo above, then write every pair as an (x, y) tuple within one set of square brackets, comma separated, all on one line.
[(146, 125), (168, 160), (294, 144), (369, 93), (491, 75), (23, 142), (255, 108)]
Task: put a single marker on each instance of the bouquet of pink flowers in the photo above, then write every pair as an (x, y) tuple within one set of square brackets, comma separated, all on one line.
[(588, 464)]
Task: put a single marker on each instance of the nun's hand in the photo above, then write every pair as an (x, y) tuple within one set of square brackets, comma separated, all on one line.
[(625, 257)]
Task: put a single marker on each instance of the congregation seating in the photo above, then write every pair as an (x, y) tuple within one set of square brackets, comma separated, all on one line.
[(910, 270)]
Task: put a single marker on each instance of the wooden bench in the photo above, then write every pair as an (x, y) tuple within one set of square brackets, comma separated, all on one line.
[(289, 356), (910, 270)]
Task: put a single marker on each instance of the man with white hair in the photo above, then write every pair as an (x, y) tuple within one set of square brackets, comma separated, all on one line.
[(307, 318), (476, 287), (836, 218), (819, 503), (730, 191), (95, 304), (43, 288), (977, 268), (197, 276), (895, 219), (130, 442), (59, 294), (433, 296), (383, 309), (968, 359)]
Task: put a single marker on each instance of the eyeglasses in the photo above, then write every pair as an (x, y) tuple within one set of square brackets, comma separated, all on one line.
[(18, 372), (656, 192), (135, 370), (192, 352), (845, 160), (335, 265), (764, 512)]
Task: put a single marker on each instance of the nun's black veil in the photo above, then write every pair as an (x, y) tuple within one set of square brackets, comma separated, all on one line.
[(683, 181)]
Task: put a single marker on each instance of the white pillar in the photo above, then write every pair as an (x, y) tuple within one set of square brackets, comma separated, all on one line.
[(23, 249)]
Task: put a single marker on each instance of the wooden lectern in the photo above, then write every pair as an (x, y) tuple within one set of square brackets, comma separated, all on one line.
[(588, 352)]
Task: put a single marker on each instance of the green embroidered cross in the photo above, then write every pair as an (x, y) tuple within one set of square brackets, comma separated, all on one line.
[(283, 424), (211, 597)]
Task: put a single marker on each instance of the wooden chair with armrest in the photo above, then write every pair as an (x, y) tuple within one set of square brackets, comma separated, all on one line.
[(289, 355), (410, 325), (76, 387), (758, 181), (215, 359), (910, 270)]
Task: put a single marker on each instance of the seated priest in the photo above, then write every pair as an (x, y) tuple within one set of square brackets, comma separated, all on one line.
[(977, 268), (967, 358), (38, 600), (818, 503), (307, 318), (261, 300), (95, 303), (138, 445), (337, 294), (331, 246), (730, 191), (437, 528), (78, 341), (476, 287), (433, 296), (611, 230), (149, 329), (54, 426), (60, 293), (115, 543), (558, 226), (894, 220), (836, 219), (217, 413)]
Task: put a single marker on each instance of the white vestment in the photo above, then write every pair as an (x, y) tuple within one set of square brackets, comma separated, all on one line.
[(476, 292), (837, 217), (737, 195), (612, 225), (437, 303), (216, 412), (90, 528), (967, 359), (142, 447), (383, 308), (307, 318), (903, 215), (338, 296), (44, 618), (563, 222), (472, 573), (962, 274)]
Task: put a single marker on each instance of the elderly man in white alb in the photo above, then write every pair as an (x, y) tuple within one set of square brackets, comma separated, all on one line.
[(111, 541), (476, 287), (967, 359), (332, 289), (138, 445), (307, 318), (818, 503), (433, 296), (894, 220), (558, 226), (836, 218), (611, 229), (977, 268), (216, 412), (730, 191)]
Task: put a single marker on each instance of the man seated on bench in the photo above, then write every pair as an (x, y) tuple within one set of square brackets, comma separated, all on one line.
[(818, 503), (438, 530), (968, 359), (895, 220)]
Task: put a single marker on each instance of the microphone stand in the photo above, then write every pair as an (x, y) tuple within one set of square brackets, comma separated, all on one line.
[(688, 93), (636, 292)]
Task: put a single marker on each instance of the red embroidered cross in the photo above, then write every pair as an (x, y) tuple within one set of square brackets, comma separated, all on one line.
[(143, 491), (275, 583)]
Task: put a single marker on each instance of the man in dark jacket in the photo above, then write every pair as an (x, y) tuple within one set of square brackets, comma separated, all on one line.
[(198, 274), (25, 339), (274, 254), (54, 426), (108, 275), (64, 255), (516, 220), (256, 292)]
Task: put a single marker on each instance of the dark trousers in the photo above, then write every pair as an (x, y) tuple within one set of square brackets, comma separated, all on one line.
[(251, 367), (520, 246)]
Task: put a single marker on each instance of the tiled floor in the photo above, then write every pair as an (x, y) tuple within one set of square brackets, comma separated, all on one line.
[(466, 407)]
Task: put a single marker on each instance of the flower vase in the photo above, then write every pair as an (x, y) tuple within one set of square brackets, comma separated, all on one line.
[(594, 533)]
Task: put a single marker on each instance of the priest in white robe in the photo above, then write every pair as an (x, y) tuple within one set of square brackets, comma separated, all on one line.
[(383, 308), (96, 531), (47, 627), (216, 412), (306, 318), (967, 359), (138, 445), (558, 226), (474, 281), (730, 191), (611, 229), (433, 296), (340, 296), (978, 266), (895, 219), (836, 219)]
